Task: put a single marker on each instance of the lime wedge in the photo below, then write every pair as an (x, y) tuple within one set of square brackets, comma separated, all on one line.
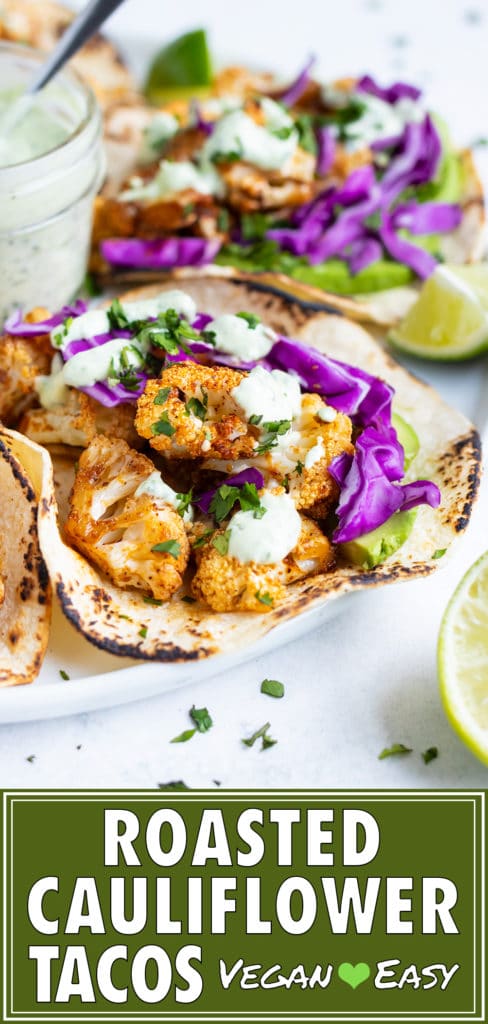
[(449, 320), (183, 68), (462, 657)]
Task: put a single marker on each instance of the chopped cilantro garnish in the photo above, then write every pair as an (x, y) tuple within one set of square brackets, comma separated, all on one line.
[(188, 599), (261, 734), (163, 426), (430, 755), (209, 336), (249, 500), (264, 598), (168, 547), (152, 600), (396, 748), (188, 209), (143, 632), (63, 674), (184, 736), (299, 468), (184, 500), (176, 786), (226, 496), (273, 688), (196, 407), (273, 429), (255, 420), (201, 718), (230, 156), (167, 331), (117, 319), (223, 220), (162, 396), (31, 758), (439, 553), (282, 133), (251, 319), (221, 542), (203, 538)]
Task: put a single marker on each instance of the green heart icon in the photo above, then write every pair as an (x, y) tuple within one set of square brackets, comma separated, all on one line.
[(353, 975)]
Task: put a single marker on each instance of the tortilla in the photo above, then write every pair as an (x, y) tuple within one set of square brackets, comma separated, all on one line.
[(41, 24), (25, 592), (116, 620)]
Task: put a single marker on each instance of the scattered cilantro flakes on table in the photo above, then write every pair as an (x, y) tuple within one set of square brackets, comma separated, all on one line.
[(262, 734), (430, 754), (396, 748), (201, 718), (184, 736), (273, 688)]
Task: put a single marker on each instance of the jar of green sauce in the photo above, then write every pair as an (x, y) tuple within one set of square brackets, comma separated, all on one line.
[(51, 167)]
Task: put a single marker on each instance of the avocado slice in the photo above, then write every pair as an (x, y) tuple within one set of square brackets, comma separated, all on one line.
[(407, 438), (334, 276), (374, 547)]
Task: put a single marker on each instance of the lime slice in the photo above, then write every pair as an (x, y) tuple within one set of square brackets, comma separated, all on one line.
[(449, 320), (183, 68), (463, 658)]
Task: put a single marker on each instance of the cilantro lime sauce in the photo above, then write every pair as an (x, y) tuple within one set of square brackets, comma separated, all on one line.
[(237, 136), (241, 337), (156, 487), (271, 395), (175, 177), (267, 540), (36, 132), (97, 321), (51, 166)]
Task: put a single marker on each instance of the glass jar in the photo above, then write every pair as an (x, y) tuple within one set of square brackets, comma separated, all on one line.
[(46, 202)]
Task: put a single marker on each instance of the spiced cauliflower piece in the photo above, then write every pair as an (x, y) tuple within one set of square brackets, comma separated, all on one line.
[(229, 585), (77, 420), (21, 361), (120, 527), (189, 412)]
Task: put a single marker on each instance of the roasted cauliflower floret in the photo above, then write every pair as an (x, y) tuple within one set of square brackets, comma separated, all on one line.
[(228, 585), (77, 421), (190, 413), (137, 538), (249, 188), (21, 361)]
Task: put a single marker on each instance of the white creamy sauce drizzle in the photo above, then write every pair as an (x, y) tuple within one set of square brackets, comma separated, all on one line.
[(160, 129), (96, 321), (236, 132), (101, 363), (175, 176), (274, 395), (234, 335), (156, 487), (314, 454), (378, 120), (267, 540)]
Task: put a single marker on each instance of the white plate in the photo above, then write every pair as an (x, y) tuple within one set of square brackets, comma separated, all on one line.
[(99, 680)]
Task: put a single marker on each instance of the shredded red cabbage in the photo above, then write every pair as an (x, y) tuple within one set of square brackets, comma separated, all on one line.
[(293, 92), (362, 253), (16, 326), (419, 260), (427, 218), (397, 91), (246, 476), (107, 396), (326, 149), (370, 492), (160, 253)]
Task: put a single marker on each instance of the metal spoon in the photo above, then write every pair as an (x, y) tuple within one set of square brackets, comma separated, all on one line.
[(77, 34)]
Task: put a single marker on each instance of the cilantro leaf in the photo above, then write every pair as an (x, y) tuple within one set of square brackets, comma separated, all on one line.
[(249, 500), (162, 396), (273, 429), (152, 601), (184, 501), (273, 688), (203, 538), (264, 598), (223, 501), (251, 319), (255, 420), (197, 408), (201, 718), (439, 553), (163, 426), (168, 547), (143, 632), (184, 736), (117, 319), (299, 468), (396, 748), (63, 674), (221, 542), (262, 734), (175, 786), (430, 755)]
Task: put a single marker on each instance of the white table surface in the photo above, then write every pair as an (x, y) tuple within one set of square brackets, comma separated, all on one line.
[(368, 678)]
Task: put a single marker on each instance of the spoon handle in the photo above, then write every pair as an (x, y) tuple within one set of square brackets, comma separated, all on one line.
[(78, 33)]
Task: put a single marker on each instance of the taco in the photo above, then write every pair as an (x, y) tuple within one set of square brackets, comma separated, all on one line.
[(350, 189), (41, 24), (236, 461), (25, 593)]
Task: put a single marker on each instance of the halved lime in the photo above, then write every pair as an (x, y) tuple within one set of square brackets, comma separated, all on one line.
[(449, 320), (183, 68), (462, 658)]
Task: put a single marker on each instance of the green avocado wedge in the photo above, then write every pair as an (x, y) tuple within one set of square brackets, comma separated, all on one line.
[(377, 545), (373, 548)]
